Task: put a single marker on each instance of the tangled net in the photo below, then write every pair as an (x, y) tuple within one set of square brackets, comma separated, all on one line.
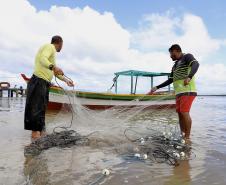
[(66, 138), (157, 146), (161, 147)]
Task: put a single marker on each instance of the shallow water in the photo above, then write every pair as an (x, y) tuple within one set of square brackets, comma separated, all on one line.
[(84, 165)]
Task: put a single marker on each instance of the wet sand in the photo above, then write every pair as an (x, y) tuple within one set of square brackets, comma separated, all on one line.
[(83, 165)]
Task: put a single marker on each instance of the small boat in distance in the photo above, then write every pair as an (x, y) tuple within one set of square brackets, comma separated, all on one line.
[(96, 100)]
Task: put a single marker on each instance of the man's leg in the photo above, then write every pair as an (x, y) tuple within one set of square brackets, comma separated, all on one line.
[(184, 116), (29, 121), (182, 126), (46, 90), (186, 122), (35, 112), (178, 110)]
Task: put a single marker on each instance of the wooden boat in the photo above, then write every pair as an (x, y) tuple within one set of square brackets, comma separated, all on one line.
[(95, 100)]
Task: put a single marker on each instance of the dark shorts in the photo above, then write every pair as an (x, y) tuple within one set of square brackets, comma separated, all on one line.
[(183, 103), (36, 104)]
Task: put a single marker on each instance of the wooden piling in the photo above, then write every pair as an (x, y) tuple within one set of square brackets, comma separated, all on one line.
[(5, 86)]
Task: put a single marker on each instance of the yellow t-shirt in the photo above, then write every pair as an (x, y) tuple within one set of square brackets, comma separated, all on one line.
[(44, 58)]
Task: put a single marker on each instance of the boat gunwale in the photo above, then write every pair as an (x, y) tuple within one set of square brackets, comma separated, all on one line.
[(109, 96)]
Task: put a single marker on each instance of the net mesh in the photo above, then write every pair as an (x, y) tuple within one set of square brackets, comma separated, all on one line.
[(154, 134)]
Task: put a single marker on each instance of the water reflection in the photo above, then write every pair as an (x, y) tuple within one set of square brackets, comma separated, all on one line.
[(12, 104), (36, 170), (5, 104), (180, 175)]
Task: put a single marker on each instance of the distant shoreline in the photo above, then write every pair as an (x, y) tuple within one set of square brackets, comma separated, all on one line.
[(213, 95)]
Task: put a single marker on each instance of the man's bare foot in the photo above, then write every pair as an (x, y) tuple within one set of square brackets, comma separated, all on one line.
[(187, 140), (35, 135)]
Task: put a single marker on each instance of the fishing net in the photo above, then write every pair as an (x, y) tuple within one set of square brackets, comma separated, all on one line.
[(160, 147), (154, 133), (66, 138)]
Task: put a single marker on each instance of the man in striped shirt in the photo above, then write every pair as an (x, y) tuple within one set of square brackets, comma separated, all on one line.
[(183, 79)]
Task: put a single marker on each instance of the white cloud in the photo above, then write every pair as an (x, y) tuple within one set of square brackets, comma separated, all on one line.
[(212, 79), (160, 31), (96, 45), (155, 32)]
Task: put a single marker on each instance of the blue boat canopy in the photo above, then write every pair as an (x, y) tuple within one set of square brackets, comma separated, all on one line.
[(140, 73), (136, 74)]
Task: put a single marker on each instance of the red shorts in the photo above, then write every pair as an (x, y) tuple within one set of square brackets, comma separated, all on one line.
[(183, 103)]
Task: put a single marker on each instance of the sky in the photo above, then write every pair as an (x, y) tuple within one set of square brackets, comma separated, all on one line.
[(105, 36)]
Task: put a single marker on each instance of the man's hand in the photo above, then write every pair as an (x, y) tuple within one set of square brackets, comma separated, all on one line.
[(186, 81), (152, 91), (70, 83), (57, 71)]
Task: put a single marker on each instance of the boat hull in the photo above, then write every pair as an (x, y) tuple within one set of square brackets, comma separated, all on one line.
[(59, 99)]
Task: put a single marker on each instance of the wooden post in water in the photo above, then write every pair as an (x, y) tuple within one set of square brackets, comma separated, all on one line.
[(5, 86), (9, 92)]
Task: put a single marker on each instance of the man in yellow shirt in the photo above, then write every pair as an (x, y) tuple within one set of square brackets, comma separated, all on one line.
[(38, 86)]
